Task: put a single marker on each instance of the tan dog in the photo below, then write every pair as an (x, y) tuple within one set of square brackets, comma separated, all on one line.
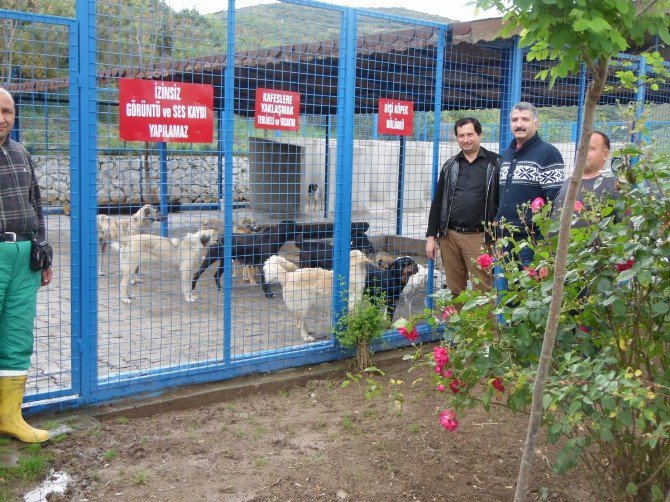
[(186, 253), (384, 259), (307, 289), (118, 230)]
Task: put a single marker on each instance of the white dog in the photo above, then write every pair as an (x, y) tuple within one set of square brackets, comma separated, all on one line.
[(186, 253), (313, 197), (308, 289), (419, 281), (118, 230)]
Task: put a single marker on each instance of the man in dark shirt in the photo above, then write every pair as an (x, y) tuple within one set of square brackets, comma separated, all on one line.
[(594, 179), (465, 201), (21, 218)]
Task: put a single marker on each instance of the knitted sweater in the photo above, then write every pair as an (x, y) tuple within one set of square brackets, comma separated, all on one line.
[(535, 170)]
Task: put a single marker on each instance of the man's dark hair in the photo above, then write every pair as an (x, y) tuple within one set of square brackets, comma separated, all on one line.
[(468, 120), (605, 138)]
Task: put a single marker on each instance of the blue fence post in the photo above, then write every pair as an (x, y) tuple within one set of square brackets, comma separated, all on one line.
[(511, 89), (346, 89), (640, 96), (229, 127), (401, 184), (163, 186), (442, 41), (580, 107), (84, 199), (220, 147), (326, 169)]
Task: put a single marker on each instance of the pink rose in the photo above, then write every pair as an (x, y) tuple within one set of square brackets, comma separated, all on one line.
[(578, 206), (448, 373), (456, 385), (485, 260), (440, 387), (498, 384), (532, 273), (441, 355), (543, 272), (448, 311), (448, 420), (537, 204)]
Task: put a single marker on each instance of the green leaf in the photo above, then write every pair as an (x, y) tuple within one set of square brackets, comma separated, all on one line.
[(606, 434), (574, 407), (660, 308), (581, 25), (622, 6), (631, 489)]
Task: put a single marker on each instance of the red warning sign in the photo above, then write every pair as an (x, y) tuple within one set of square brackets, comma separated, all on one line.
[(395, 117), (172, 112), (279, 110)]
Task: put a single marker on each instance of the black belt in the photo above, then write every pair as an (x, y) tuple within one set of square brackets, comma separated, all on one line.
[(14, 237), (462, 230)]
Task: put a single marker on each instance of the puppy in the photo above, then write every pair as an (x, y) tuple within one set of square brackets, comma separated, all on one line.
[(313, 197), (390, 282), (120, 229), (307, 289), (186, 253), (246, 225)]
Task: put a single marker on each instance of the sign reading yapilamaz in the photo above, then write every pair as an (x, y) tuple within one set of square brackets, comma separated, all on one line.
[(157, 111)]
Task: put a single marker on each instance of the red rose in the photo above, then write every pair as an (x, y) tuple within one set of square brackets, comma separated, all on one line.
[(621, 267), (485, 260), (455, 385), (498, 384)]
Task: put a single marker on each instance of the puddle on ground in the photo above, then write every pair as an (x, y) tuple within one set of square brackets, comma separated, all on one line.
[(56, 482)]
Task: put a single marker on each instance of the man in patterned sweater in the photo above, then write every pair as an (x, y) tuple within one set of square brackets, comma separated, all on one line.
[(531, 168)]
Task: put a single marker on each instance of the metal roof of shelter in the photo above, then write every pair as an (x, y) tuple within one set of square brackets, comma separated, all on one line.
[(398, 65)]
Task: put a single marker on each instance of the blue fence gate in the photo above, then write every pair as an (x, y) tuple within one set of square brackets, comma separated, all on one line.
[(329, 127)]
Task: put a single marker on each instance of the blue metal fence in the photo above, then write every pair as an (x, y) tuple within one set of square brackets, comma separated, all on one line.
[(93, 347)]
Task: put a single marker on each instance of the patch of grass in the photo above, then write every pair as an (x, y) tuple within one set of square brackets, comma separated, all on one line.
[(260, 431), (415, 428), (59, 439), (33, 465), (282, 393), (349, 425), (110, 455), (140, 478), (50, 425), (258, 463), (231, 406), (122, 420), (5, 440), (321, 424), (237, 433)]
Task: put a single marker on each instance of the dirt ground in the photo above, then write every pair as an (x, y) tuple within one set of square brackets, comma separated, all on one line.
[(313, 442)]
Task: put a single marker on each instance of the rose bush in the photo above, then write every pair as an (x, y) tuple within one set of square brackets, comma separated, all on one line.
[(607, 399)]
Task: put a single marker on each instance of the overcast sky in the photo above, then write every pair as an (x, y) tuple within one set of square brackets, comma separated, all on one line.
[(455, 9)]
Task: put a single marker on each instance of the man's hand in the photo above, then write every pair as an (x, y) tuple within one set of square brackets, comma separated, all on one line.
[(47, 275), (431, 248)]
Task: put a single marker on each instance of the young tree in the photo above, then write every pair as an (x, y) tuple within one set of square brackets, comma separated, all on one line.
[(568, 33)]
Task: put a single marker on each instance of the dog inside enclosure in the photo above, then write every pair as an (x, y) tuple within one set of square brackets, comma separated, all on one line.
[(185, 254), (308, 289), (119, 229), (314, 197)]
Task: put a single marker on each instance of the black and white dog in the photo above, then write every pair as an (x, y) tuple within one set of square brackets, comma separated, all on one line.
[(313, 197)]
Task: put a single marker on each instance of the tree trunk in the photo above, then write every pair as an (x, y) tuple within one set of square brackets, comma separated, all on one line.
[(363, 354), (593, 94)]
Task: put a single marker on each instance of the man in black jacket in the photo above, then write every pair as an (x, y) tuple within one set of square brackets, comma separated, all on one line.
[(466, 199)]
